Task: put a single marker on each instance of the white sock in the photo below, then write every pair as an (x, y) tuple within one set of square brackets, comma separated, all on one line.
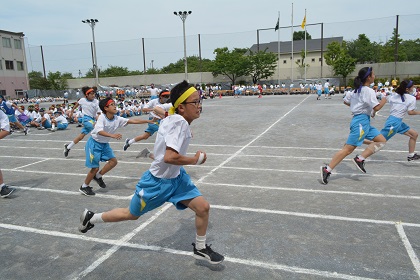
[(329, 169), (360, 157), (98, 175), (2, 185), (69, 146), (411, 154), (200, 242), (131, 141), (84, 185), (97, 218)]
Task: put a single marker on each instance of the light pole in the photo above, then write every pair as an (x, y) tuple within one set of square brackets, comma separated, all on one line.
[(183, 16), (92, 23)]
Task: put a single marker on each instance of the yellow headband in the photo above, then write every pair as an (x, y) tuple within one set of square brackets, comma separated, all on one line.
[(181, 99)]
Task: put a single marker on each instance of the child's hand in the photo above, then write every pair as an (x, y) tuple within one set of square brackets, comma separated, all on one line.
[(117, 136), (201, 157)]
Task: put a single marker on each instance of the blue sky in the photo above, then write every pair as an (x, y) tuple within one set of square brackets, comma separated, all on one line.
[(55, 23)]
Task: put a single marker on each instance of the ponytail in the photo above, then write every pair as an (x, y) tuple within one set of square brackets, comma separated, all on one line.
[(361, 78), (402, 88)]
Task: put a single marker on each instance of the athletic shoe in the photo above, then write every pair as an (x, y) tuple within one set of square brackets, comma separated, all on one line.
[(100, 182), (360, 164), (6, 191), (85, 225), (414, 157), (126, 145), (86, 191), (66, 150), (40, 128), (26, 130), (324, 175), (208, 254), (144, 153)]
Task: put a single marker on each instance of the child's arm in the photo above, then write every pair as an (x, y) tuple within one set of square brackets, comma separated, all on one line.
[(173, 157), (139, 121), (106, 134)]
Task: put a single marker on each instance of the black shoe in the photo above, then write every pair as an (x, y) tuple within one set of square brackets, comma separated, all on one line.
[(360, 164), (26, 130), (85, 224), (324, 175), (414, 157), (100, 182), (6, 191), (66, 150), (86, 191), (208, 254), (126, 145)]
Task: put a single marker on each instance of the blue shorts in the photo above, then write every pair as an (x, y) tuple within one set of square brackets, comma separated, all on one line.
[(47, 124), (153, 97), (394, 125), (97, 152), (62, 126), (319, 92), (88, 124), (12, 118), (326, 91), (152, 128), (360, 129), (152, 192)]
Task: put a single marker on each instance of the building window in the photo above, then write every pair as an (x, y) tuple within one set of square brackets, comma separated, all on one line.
[(20, 65), (284, 61), (18, 44), (313, 60), (3, 92), (9, 64), (320, 59), (6, 42), (1, 64)]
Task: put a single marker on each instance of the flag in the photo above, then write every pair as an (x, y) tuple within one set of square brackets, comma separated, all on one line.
[(303, 23), (277, 25)]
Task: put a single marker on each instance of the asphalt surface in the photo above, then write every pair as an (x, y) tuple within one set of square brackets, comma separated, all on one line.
[(270, 215)]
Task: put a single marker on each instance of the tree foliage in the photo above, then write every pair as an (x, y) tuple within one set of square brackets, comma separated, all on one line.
[(232, 64), (300, 35), (301, 65), (37, 80), (363, 50), (340, 61), (193, 63), (262, 65)]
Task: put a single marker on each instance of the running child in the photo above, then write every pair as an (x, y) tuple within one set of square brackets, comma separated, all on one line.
[(90, 109), (363, 103), (5, 190), (97, 147), (167, 180), (9, 109)]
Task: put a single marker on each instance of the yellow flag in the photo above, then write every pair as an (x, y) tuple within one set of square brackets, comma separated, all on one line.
[(303, 23)]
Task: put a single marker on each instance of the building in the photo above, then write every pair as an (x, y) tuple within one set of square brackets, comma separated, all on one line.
[(315, 49), (13, 69)]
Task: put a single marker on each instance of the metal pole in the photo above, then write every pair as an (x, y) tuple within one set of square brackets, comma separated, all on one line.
[(43, 62), (94, 52), (185, 50), (322, 47), (144, 55), (199, 55), (396, 49), (258, 40)]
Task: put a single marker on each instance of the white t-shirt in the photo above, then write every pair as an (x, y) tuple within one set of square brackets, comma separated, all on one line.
[(399, 108), (326, 85), (61, 119), (107, 125), (4, 121), (89, 108), (153, 91), (363, 102), (174, 132)]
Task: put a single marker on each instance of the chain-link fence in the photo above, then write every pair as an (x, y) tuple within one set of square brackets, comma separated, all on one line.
[(144, 53)]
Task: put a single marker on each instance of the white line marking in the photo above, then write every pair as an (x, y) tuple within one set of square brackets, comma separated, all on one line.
[(409, 248), (120, 243), (252, 141), (30, 164)]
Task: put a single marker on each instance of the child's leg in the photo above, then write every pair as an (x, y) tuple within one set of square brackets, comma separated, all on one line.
[(201, 208), (90, 175), (108, 166), (377, 144), (118, 215), (144, 136), (413, 138), (340, 155)]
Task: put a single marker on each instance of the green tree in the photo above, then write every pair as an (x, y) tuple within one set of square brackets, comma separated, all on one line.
[(412, 49), (232, 64), (388, 49), (37, 81), (263, 64), (57, 81), (340, 61), (363, 50), (115, 71), (301, 64), (300, 35), (193, 63)]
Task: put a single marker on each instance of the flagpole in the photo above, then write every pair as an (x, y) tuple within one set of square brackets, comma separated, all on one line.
[(278, 50), (305, 45), (292, 49)]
